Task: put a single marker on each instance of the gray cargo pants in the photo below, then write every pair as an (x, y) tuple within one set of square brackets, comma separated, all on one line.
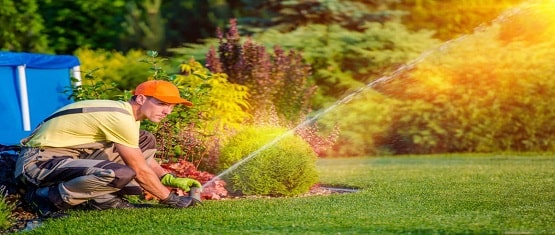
[(81, 173)]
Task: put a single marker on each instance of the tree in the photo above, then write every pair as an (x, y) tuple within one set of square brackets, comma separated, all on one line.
[(83, 24), (22, 27), (144, 26), (130, 24), (451, 18), (190, 21), (288, 15)]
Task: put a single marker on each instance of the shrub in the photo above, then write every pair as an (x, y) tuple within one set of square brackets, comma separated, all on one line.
[(458, 100), (280, 164), (123, 70), (275, 80), (6, 208)]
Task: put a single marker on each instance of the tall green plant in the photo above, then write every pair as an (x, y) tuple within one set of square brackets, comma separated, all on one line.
[(92, 88), (344, 60)]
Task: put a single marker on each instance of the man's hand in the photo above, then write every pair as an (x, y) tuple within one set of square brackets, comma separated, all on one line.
[(178, 201), (183, 183)]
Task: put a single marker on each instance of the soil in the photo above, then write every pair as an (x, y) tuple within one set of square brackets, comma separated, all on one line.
[(22, 217)]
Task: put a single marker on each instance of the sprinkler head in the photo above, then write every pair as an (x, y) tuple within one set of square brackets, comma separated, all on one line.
[(195, 193)]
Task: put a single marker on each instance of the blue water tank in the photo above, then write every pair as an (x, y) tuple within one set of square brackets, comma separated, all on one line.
[(31, 88)]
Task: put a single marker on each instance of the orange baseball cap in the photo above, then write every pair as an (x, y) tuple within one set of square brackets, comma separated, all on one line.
[(162, 90)]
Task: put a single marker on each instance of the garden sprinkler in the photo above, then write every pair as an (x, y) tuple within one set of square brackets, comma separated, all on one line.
[(195, 194)]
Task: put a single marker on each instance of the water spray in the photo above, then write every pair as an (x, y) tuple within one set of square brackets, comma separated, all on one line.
[(381, 80)]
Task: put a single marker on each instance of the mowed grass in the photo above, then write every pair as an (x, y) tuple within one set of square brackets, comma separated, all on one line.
[(455, 194)]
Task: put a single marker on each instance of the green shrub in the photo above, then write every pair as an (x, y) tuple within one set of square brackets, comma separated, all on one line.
[(124, 70), (284, 164), (6, 208)]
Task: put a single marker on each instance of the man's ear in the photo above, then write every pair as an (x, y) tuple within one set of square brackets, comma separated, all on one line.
[(140, 99)]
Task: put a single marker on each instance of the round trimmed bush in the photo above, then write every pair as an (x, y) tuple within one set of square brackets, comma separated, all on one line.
[(285, 168)]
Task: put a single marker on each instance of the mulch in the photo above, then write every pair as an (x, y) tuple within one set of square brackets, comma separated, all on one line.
[(20, 215)]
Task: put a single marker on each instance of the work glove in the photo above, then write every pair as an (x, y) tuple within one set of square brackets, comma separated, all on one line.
[(176, 201), (183, 183)]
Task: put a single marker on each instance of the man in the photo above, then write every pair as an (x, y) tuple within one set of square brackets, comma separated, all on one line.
[(93, 151)]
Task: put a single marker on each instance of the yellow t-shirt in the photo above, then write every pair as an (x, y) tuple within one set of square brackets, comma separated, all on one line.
[(89, 127)]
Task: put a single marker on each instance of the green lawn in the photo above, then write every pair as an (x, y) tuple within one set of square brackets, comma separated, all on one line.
[(455, 194)]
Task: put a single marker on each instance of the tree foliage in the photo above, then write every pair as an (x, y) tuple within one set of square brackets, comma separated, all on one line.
[(143, 26), (82, 23), (191, 21), (490, 91), (122, 69), (451, 18), (343, 60), (22, 26), (286, 16), (64, 26)]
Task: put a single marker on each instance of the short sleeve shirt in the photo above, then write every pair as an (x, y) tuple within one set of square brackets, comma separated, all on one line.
[(89, 127)]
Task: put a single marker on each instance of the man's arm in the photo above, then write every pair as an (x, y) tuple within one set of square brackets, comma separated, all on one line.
[(171, 180), (146, 176), (155, 166)]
